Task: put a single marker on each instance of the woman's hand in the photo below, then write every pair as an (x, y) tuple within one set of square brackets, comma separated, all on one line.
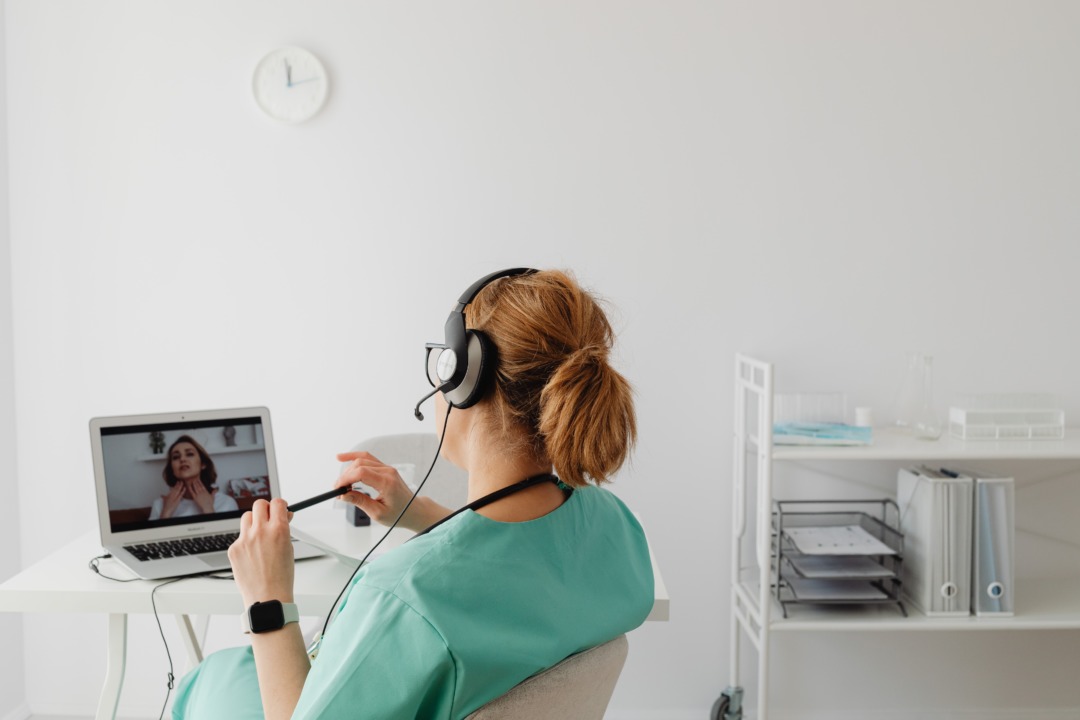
[(262, 557), (202, 497), (262, 562), (171, 500), (394, 494)]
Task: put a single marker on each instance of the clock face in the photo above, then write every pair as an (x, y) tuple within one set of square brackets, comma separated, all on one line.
[(290, 84)]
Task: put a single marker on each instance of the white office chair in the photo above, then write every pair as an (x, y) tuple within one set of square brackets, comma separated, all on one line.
[(579, 687)]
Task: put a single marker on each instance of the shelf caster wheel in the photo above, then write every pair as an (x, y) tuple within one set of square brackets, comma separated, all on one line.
[(728, 706)]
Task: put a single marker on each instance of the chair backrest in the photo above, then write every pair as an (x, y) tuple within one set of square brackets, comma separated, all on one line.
[(448, 484), (579, 687)]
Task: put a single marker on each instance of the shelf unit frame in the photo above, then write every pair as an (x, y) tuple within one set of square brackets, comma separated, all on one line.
[(751, 607), (1041, 604)]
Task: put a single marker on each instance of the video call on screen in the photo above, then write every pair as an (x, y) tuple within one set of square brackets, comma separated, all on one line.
[(232, 470)]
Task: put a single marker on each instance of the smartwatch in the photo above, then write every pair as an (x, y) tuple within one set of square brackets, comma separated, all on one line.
[(268, 616)]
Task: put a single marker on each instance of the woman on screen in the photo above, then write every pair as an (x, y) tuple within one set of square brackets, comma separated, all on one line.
[(190, 474)]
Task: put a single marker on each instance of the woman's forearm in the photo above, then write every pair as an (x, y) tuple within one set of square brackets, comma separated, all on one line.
[(282, 664)]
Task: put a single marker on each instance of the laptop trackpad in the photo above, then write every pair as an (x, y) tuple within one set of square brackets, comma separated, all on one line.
[(218, 560)]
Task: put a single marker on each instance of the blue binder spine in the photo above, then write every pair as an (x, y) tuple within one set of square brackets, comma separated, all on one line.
[(993, 567)]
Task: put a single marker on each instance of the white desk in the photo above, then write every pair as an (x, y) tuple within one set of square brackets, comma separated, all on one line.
[(63, 583)]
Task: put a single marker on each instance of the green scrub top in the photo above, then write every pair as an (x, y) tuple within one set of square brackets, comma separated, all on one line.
[(455, 618)]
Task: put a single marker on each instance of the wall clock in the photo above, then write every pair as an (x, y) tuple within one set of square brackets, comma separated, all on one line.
[(290, 84)]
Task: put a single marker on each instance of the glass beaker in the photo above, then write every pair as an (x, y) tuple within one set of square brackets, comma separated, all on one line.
[(915, 412), (909, 398), (927, 423)]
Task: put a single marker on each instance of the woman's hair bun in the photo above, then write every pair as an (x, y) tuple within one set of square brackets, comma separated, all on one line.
[(587, 417), (553, 377), (586, 357)]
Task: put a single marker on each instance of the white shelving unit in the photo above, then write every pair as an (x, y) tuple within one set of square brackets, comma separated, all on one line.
[(1040, 604)]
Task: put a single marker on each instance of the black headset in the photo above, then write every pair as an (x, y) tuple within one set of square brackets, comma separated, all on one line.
[(462, 367)]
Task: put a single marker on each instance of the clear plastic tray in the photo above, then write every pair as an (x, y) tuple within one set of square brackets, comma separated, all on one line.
[(1015, 416)]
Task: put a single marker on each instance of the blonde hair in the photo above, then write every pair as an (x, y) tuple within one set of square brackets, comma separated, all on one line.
[(553, 379)]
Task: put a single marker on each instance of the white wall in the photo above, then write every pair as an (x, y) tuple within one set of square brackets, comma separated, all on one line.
[(12, 678), (828, 185)]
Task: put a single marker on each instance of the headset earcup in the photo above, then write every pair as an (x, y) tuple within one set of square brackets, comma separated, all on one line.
[(481, 366)]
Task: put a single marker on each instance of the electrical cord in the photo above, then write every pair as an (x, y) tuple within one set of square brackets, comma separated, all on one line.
[(94, 565), (168, 654), (313, 650)]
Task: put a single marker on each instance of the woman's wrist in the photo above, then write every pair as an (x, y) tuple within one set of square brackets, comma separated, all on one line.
[(250, 600)]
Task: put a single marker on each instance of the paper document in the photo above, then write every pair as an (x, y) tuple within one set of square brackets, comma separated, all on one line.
[(836, 540), (833, 566), (836, 590)]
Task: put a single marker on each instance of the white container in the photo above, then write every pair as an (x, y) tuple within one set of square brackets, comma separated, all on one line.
[(819, 407), (1019, 416)]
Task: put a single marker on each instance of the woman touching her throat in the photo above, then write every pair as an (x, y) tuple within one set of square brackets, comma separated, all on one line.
[(191, 476)]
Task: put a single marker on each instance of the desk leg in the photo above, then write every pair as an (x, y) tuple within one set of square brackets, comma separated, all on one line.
[(114, 671), (202, 626), (192, 641)]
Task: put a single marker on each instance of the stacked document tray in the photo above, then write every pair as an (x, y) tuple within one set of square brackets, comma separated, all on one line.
[(846, 552)]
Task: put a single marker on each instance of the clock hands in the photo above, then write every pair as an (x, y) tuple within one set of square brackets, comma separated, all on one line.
[(288, 77)]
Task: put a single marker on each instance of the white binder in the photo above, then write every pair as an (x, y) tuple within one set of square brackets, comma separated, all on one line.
[(936, 516), (993, 579)]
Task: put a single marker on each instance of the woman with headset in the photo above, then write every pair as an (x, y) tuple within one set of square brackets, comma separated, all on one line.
[(541, 564)]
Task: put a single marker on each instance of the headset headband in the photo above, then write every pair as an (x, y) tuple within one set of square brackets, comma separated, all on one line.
[(469, 295)]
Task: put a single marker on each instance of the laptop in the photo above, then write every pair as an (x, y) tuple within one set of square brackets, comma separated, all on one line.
[(171, 487)]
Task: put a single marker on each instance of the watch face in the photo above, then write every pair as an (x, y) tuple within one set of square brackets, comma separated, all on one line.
[(290, 84), (266, 616)]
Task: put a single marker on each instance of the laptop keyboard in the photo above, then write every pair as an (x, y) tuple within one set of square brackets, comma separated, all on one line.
[(183, 546)]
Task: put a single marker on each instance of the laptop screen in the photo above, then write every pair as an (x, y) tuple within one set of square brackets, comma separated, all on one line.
[(174, 473)]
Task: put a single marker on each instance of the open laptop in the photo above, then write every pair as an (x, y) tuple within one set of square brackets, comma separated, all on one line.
[(171, 487)]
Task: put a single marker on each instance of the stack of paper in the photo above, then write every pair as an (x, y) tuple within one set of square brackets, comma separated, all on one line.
[(836, 540)]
